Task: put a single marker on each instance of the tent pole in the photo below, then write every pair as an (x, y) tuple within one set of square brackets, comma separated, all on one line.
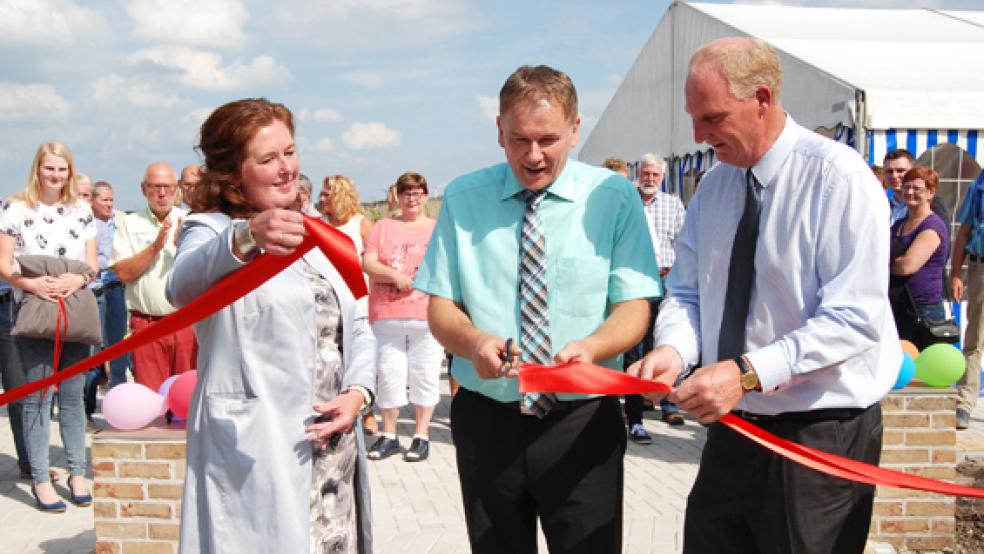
[(860, 137)]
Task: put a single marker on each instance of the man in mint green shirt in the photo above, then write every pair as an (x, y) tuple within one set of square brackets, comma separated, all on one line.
[(565, 468)]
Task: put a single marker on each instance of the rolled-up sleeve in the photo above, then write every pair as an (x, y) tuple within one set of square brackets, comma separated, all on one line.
[(634, 273), (438, 272)]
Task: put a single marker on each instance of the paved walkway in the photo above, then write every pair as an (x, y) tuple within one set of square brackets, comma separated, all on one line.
[(417, 506)]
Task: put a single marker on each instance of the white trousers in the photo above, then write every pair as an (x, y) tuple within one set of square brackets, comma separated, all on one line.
[(406, 353)]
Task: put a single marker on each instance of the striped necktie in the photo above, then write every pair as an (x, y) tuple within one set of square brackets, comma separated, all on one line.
[(534, 314), (741, 274)]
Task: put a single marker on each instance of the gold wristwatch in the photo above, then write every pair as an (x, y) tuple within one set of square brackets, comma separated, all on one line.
[(749, 379)]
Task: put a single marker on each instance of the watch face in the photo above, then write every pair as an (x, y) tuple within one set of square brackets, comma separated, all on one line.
[(749, 380)]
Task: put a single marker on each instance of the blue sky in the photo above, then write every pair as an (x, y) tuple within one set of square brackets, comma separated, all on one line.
[(378, 87)]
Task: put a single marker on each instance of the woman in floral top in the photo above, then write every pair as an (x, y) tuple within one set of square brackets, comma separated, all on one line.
[(47, 218)]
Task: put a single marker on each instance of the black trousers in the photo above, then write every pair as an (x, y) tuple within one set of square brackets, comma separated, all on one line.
[(748, 500), (566, 469), (634, 404)]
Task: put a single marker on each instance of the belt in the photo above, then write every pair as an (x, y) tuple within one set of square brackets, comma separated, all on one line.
[(105, 288), (147, 316), (975, 258), (823, 414), (557, 407)]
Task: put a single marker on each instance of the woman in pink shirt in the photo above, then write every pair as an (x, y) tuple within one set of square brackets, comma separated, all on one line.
[(406, 352)]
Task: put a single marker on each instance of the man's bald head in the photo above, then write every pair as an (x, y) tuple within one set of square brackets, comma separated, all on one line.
[(191, 175), (159, 186)]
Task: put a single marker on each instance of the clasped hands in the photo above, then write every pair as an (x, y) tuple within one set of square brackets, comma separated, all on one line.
[(54, 288), (708, 393)]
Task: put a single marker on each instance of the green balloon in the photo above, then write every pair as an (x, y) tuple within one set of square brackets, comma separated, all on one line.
[(940, 365)]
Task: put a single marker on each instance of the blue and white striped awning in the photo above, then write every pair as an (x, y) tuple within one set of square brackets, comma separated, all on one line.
[(879, 142), (696, 162), (918, 141)]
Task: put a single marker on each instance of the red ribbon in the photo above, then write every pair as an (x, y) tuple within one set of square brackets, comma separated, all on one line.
[(61, 328), (336, 246), (574, 377), (584, 378)]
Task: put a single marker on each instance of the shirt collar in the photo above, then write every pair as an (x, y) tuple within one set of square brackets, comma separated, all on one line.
[(562, 187), (766, 169), (153, 217)]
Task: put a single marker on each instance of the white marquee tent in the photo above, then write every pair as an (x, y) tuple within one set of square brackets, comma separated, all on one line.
[(907, 78)]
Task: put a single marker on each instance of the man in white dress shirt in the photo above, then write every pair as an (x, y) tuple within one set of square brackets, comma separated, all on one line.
[(780, 290)]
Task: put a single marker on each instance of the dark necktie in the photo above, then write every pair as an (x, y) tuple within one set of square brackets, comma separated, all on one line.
[(534, 314), (741, 274)]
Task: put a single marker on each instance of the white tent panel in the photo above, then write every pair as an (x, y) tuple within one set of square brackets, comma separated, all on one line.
[(913, 69), (645, 98), (917, 67)]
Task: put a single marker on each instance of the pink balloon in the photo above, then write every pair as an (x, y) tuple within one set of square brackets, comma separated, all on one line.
[(163, 390), (131, 406), (179, 395)]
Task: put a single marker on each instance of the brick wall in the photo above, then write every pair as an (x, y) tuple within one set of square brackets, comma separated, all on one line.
[(920, 438), (137, 482), (138, 479)]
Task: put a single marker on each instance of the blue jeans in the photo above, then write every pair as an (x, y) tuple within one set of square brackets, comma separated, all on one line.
[(932, 312), (12, 374), (113, 318), (36, 357)]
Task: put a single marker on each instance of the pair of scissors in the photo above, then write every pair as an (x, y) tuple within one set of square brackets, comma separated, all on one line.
[(509, 361)]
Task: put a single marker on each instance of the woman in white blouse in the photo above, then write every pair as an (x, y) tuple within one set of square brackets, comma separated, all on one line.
[(47, 218)]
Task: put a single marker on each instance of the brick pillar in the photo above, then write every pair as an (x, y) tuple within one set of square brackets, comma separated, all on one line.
[(920, 438), (138, 477)]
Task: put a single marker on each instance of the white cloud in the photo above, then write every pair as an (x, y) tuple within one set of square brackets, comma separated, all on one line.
[(114, 89), (378, 24), (211, 23), (489, 106), (614, 79), (30, 102), (204, 70), (322, 115), (370, 136), (323, 145), (43, 22)]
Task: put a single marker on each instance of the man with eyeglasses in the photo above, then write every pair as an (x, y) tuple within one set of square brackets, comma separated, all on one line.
[(143, 255)]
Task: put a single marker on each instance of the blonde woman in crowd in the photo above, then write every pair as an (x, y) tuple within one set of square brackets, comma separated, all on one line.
[(339, 203), (392, 202), (48, 218), (341, 207), (83, 187)]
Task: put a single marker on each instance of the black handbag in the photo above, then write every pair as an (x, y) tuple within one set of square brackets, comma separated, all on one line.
[(945, 330)]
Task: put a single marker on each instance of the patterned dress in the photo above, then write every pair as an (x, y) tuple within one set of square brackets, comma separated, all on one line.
[(333, 498)]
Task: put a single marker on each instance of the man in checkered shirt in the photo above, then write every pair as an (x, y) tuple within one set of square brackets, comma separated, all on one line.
[(664, 217)]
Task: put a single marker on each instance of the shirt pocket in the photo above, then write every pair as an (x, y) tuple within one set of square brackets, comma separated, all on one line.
[(581, 286)]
